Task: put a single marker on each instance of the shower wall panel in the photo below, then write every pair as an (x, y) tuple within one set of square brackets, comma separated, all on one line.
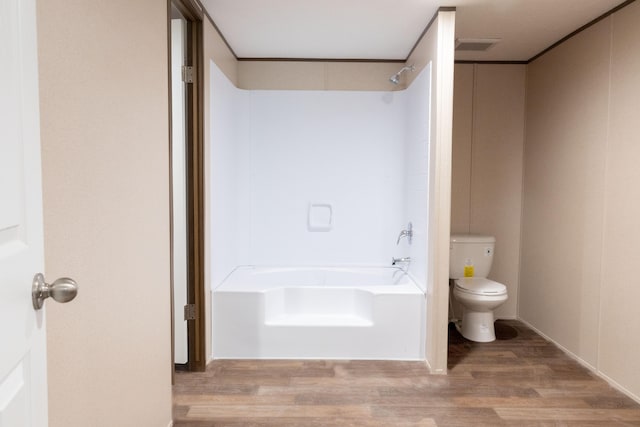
[(228, 116), (416, 173), (339, 149), (318, 177)]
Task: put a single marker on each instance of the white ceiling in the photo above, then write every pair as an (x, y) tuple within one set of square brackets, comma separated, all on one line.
[(388, 29)]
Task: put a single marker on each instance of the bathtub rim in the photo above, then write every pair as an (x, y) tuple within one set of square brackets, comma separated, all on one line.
[(413, 282)]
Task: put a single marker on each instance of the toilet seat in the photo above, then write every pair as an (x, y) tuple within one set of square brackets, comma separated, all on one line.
[(480, 286)]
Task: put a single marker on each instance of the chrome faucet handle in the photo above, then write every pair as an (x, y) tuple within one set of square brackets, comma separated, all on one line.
[(408, 233)]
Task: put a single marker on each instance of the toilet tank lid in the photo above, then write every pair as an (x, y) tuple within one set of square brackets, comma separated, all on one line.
[(472, 238)]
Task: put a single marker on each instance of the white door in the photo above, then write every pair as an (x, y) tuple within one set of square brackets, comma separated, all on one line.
[(23, 376)]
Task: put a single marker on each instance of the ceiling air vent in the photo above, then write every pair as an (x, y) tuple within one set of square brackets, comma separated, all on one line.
[(475, 45)]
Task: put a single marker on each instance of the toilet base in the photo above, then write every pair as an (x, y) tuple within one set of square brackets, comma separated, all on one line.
[(477, 326)]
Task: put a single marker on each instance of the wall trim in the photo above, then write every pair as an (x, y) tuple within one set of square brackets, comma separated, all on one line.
[(581, 29), (194, 173), (559, 42), (465, 61), (170, 130), (215, 27), (433, 19), (355, 60), (584, 363), (441, 9)]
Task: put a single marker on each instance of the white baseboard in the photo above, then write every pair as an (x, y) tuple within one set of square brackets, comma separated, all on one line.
[(584, 363), (613, 383)]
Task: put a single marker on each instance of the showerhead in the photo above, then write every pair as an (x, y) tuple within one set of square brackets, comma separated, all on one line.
[(395, 79)]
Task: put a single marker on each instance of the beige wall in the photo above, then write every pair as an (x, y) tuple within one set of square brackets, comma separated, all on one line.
[(461, 150), (488, 145), (104, 113), (310, 75), (436, 47), (581, 200), (619, 348)]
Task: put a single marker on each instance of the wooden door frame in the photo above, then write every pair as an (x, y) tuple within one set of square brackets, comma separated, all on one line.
[(192, 11)]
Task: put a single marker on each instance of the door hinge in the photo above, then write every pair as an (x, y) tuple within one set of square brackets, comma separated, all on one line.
[(187, 73), (190, 312)]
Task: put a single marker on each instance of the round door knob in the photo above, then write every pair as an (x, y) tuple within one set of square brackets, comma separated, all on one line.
[(62, 290)]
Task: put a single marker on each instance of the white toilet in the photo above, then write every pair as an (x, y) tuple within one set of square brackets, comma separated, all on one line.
[(469, 265)]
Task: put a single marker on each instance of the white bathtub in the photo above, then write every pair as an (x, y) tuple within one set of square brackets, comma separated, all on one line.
[(318, 313)]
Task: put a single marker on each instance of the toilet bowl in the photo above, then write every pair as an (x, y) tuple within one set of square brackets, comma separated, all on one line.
[(470, 262), (478, 298)]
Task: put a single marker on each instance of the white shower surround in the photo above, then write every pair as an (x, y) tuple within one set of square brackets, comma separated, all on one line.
[(273, 153)]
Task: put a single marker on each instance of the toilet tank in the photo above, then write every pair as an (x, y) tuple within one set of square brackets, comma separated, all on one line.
[(470, 250)]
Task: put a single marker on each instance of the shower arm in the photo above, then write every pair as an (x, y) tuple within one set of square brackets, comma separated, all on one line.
[(395, 79)]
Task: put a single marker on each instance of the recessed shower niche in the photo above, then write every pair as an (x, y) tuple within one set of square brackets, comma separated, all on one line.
[(320, 217)]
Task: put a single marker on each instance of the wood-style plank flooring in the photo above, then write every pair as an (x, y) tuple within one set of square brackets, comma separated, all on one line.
[(518, 380)]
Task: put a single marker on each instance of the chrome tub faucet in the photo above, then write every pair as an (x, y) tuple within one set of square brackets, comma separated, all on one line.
[(395, 261)]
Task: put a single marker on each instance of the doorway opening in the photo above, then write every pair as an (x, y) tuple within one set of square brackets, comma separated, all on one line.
[(187, 185)]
